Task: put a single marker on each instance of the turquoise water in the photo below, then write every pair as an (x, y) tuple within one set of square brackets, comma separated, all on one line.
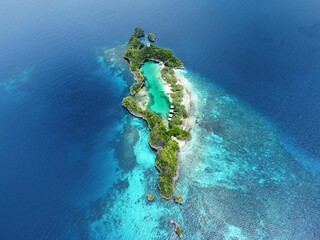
[(159, 101), (237, 180), (76, 165)]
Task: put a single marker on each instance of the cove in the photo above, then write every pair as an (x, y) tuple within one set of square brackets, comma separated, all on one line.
[(159, 101)]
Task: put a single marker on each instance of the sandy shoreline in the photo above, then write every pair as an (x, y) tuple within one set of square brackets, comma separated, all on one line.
[(189, 99), (142, 98)]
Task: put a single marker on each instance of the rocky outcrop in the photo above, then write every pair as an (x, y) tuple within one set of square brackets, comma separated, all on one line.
[(177, 228)]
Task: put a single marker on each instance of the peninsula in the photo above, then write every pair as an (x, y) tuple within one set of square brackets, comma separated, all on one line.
[(166, 133)]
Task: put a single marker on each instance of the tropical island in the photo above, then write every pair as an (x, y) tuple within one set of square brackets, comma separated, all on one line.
[(167, 133), (152, 37), (150, 197)]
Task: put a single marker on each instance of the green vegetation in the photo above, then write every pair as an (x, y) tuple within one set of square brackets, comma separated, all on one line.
[(159, 134), (136, 88), (134, 44), (167, 163), (179, 231), (139, 32), (130, 104), (136, 54), (160, 138), (150, 197), (151, 37), (178, 198), (168, 75), (179, 133)]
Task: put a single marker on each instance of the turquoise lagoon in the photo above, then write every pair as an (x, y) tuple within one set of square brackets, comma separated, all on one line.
[(236, 178), (159, 101)]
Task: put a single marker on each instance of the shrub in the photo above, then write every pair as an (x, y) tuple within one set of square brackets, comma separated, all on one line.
[(139, 32), (151, 37)]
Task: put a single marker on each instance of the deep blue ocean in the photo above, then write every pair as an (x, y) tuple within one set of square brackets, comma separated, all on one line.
[(72, 159)]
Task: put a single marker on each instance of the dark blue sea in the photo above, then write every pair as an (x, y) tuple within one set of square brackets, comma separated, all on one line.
[(75, 165)]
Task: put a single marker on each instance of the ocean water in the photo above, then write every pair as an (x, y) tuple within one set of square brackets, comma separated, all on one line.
[(237, 178), (159, 100), (75, 165)]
